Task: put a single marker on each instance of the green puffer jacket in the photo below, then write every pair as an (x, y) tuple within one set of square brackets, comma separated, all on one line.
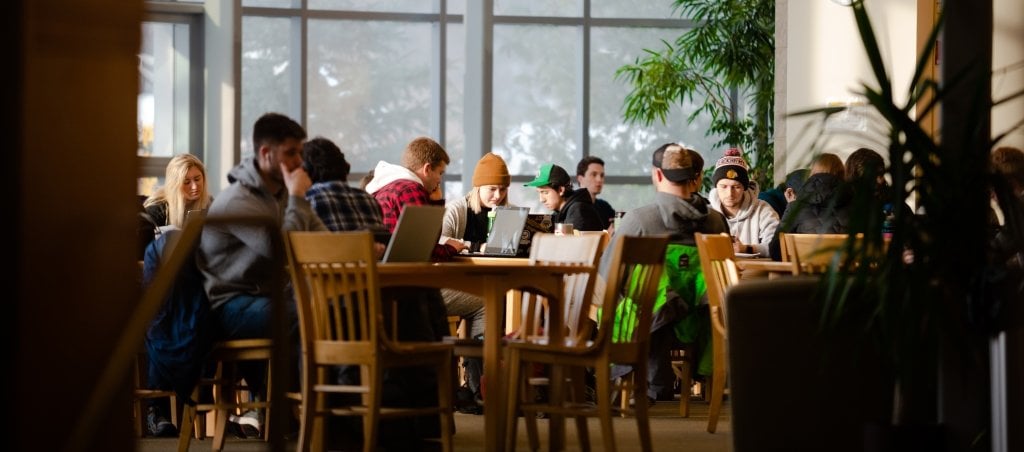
[(682, 281)]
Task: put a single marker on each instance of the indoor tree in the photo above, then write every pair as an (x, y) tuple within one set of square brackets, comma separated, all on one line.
[(726, 64)]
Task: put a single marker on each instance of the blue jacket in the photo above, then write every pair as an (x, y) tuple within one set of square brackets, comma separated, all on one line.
[(179, 338)]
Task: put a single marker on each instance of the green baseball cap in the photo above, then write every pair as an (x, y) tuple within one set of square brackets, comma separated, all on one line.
[(550, 174)]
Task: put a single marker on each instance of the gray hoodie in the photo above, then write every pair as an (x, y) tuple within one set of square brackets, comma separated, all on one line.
[(756, 221), (239, 259), (670, 215)]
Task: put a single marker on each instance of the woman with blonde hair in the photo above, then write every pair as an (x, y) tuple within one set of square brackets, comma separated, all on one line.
[(465, 218), (184, 189)]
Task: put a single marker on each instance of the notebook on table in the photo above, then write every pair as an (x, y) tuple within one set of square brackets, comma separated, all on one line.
[(506, 233), (415, 235)]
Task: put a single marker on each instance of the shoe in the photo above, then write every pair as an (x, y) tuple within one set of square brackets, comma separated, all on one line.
[(158, 425), (632, 400), (234, 430), (671, 397), (250, 422), (590, 395), (468, 403)]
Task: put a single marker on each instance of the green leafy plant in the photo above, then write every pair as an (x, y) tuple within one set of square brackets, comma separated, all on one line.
[(931, 293), (731, 50)]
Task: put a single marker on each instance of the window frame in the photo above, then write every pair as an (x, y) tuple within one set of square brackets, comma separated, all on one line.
[(191, 14)]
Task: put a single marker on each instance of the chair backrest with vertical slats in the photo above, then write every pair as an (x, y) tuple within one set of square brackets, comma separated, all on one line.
[(335, 280), (632, 279), (814, 253), (578, 250), (718, 260)]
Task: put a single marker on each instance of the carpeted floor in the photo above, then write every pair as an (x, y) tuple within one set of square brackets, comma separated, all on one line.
[(668, 431)]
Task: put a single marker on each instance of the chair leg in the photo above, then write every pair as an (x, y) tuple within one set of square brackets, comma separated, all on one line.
[(643, 424), (625, 392), (444, 399), (515, 388), (604, 404), (140, 418), (188, 417), (717, 393), (372, 417), (684, 371), (579, 396), (529, 395), (225, 375)]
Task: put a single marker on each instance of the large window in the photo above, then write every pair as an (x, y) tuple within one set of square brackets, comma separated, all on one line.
[(169, 115), (372, 75)]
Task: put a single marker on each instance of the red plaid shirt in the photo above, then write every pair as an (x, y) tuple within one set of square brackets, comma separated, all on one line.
[(393, 196)]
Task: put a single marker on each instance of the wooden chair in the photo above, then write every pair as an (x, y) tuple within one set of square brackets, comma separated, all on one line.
[(605, 238), (624, 314), (334, 275), (584, 248), (814, 253), (718, 262), (682, 367), (551, 249), (141, 393), (783, 247), (228, 391)]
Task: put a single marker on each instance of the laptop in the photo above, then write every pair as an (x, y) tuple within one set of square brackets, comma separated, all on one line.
[(506, 234), (415, 235), (536, 223)]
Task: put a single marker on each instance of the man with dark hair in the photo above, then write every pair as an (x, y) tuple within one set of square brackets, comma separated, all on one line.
[(340, 206), (590, 175), (238, 260), (570, 206)]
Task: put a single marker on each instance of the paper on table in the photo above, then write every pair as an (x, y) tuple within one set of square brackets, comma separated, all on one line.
[(746, 255)]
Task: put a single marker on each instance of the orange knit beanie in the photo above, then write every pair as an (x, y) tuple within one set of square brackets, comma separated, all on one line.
[(491, 170)]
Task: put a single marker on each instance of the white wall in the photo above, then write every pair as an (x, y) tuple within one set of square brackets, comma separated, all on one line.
[(1007, 50), (825, 62), (821, 59)]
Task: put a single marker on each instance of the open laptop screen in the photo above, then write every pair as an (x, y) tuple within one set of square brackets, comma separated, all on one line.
[(415, 235), (507, 231)]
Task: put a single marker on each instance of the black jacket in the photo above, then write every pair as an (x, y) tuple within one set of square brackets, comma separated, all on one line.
[(821, 207), (580, 211)]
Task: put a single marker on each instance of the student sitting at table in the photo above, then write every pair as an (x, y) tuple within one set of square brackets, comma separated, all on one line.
[(238, 260), (340, 206), (184, 190), (822, 206), (575, 207), (422, 315), (678, 211), (752, 221), (590, 175), (466, 219), (784, 193)]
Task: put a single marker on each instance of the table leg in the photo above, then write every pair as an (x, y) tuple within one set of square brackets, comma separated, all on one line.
[(494, 407)]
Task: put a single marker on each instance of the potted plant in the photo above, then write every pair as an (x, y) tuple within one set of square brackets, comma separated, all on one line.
[(931, 300)]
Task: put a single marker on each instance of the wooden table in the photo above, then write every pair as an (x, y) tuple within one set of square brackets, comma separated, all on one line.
[(763, 268), (513, 298), (490, 281)]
